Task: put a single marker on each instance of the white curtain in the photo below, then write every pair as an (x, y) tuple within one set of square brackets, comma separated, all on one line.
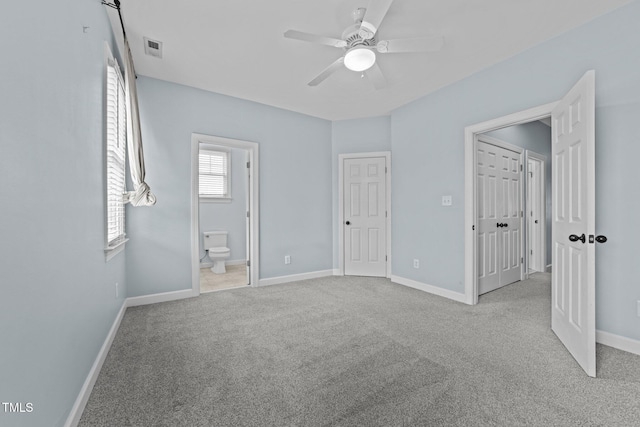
[(141, 194)]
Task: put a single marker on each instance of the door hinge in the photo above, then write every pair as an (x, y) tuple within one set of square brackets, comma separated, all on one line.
[(386, 258), (247, 214), (385, 169), (386, 214), (248, 263), (521, 260), (248, 165), (520, 168), (521, 214)]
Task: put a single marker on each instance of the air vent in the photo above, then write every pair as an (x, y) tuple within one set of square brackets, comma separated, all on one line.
[(152, 47)]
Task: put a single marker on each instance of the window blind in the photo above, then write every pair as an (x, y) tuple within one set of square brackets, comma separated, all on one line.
[(116, 148), (213, 167)]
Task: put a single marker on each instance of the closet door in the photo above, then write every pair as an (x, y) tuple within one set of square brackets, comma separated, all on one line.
[(499, 222)]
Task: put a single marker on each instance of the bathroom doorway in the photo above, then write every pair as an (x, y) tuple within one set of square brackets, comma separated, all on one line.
[(225, 210)]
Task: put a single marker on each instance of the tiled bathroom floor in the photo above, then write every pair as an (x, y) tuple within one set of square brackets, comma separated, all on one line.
[(236, 276)]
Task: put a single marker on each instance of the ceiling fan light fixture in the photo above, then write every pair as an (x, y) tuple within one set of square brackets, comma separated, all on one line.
[(359, 59)]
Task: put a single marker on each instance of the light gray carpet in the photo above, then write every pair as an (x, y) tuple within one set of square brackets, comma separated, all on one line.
[(351, 351)]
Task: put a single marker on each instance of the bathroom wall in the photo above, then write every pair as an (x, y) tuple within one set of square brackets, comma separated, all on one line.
[(534, 136), (229, 216), (57, 293)]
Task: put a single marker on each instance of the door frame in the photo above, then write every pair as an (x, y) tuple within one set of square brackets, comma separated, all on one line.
[(253, 249), (368, 155), (521, 154), (542, 181), (470, 203)]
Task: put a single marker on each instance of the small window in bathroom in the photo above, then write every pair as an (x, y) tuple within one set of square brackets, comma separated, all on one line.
[(214, 174)]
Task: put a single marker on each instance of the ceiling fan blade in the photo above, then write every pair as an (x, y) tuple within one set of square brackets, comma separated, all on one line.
[(415, 44), (327, 72), (313, 38), (375, 75), (374, 15)]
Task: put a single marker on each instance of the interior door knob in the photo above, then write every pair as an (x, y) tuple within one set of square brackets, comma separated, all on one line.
[(575, 238), (348, 222), (601, 239)]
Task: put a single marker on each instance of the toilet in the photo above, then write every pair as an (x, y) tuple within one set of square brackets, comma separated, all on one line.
[(215, 243)]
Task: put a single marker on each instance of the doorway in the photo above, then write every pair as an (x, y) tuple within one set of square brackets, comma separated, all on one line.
[(573, 218), (364, 214), (471, 214), (223, 221), (246, 259)]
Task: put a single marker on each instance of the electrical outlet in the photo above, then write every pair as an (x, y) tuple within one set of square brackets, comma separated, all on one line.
[(416, 263), (287, 259), (117, 290), (447, 201)]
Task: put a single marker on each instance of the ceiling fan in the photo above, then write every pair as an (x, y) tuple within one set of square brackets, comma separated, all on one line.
[(360, 44)]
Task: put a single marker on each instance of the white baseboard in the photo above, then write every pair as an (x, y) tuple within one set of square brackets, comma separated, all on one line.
[(295, 277), (336, 272), (619, 342), (456, 296), (83, 397), (163, 297)]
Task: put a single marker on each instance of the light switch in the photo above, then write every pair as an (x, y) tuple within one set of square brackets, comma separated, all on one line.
[(446, 201)]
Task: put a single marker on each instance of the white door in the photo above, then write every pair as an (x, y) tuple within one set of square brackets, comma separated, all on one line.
[(365, 222), (248, 222), (573, 278), (499, 217), (535, 214)]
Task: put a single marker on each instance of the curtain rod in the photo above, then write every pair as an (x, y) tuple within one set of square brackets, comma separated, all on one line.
[(116, 6)]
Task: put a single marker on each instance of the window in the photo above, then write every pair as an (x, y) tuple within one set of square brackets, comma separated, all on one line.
[(213, 167), (116, 139)]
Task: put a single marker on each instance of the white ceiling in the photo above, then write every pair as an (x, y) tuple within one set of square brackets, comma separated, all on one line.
[(237, 48)]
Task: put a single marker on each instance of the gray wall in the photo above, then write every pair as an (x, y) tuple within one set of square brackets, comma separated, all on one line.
[(57, 299), (229, 216), (295, 184), (534, 136), (428, 157)]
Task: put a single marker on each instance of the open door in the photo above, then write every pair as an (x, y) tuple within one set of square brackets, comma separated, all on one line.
[(573, 277), (248, 221)]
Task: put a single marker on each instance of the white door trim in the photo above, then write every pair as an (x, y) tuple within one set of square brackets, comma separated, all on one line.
[(543, 207), (341, 158), (507, 146), (470, 203), (254, 205)]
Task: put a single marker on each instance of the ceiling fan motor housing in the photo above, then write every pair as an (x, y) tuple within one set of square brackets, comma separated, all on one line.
[(353, 39)]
